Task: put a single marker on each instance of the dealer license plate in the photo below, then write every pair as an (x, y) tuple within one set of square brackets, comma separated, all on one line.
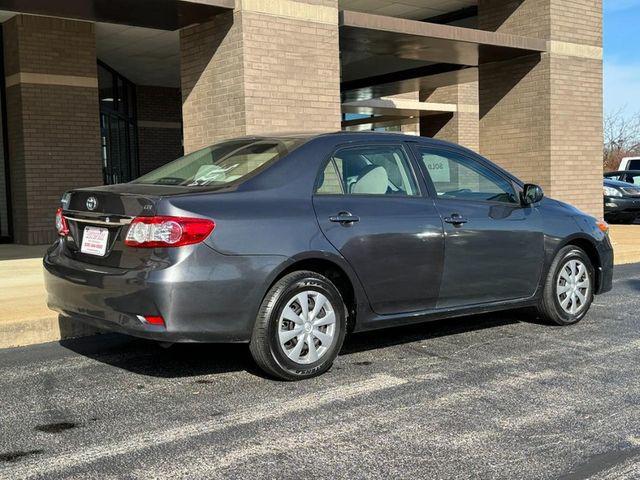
[(94, 241)]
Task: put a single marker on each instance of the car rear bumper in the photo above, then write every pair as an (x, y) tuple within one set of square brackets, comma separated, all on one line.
[(202, 295)]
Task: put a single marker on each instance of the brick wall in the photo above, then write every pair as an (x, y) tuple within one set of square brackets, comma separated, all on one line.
[(52, 118), (265, 68), (159, 115), (212, 81), (541, 116), (406, 125), (461, 127)]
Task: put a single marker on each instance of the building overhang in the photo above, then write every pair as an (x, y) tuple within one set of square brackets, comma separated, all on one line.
[(379, 121), (450, 54), (429, 77), (159, 14), (431, 42), (401, 107)]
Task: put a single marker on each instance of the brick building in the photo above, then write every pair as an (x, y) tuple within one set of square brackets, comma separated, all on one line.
[(100, 91)]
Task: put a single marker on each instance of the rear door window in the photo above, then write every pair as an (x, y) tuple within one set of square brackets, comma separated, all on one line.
[(369, 170)]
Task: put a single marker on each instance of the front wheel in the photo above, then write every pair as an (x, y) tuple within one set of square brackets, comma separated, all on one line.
[(300, 327), (568, 290)]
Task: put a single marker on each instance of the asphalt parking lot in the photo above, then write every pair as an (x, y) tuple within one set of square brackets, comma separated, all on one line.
[(495, 396)]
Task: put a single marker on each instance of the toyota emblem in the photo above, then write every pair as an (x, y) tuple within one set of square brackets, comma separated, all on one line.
[(92, 203)]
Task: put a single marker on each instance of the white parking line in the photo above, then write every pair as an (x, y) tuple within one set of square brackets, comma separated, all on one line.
[(37, 466)]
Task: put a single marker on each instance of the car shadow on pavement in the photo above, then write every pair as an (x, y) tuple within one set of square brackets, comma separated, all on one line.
[(388, 337), (145, 357), (633, 283), (148, 358)]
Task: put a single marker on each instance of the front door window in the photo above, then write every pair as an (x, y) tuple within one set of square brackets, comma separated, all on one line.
[(458, 177)]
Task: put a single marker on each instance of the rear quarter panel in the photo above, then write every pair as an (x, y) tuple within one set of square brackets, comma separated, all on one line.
[(270, 214)]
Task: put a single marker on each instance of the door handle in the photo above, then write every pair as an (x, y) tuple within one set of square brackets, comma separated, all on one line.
[(456, 219), (345, 218)]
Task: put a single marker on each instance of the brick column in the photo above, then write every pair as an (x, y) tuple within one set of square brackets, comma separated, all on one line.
[(412, 126), (459, 127), (52, 117), (541, 116), (159, 115), (269, 66)]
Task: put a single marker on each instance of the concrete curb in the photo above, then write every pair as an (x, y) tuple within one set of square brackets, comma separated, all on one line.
[(50, 329)]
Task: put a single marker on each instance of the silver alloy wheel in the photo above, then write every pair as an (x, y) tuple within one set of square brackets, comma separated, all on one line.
[(573, 287), (307, 327)]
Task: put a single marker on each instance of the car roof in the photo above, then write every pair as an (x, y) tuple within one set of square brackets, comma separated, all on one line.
[(352, 135), (622, 172), (361, 135), (392, 135)]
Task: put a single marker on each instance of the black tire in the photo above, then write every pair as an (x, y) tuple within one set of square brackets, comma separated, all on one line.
[(265, 346), (621, 219), (627, 220), (549, 307)]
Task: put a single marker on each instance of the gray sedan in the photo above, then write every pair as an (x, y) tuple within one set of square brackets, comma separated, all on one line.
[(288, 243)]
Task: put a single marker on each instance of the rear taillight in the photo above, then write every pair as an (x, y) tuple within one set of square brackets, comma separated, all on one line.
[(152, 232), (152, 320), (61, 224)]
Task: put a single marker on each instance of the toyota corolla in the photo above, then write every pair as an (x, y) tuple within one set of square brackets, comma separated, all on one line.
[(289, 243)]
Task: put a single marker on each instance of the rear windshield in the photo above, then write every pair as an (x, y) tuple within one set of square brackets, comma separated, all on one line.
[(222, 163)]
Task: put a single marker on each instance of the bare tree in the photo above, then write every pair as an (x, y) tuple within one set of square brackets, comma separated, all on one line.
[(621, 138)]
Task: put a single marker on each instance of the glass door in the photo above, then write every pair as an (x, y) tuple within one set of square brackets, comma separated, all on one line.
[(118, 126)]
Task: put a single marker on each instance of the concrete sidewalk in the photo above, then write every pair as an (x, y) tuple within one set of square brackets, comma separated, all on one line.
[(25, 318), (626, 243)]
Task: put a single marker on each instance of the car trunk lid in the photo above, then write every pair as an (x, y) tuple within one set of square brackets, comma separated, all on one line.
[(103, 215)]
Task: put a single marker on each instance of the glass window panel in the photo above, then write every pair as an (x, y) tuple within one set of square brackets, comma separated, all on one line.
[(376, 170), (131, 101), (133, 151), (105, 88), (330, 181), (120, 95), (125, 166), (456, 176), (633, 165), (221, 163)]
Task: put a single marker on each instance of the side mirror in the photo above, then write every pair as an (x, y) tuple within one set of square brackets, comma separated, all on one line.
[(531, 194)]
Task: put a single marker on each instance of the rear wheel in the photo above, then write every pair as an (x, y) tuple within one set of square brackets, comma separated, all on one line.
[(568, 290), (300, 327)]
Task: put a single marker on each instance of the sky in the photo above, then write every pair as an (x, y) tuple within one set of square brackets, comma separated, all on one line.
[(622, 55)]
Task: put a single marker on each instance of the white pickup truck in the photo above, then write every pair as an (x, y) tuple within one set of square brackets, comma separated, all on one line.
[(629, 163)]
